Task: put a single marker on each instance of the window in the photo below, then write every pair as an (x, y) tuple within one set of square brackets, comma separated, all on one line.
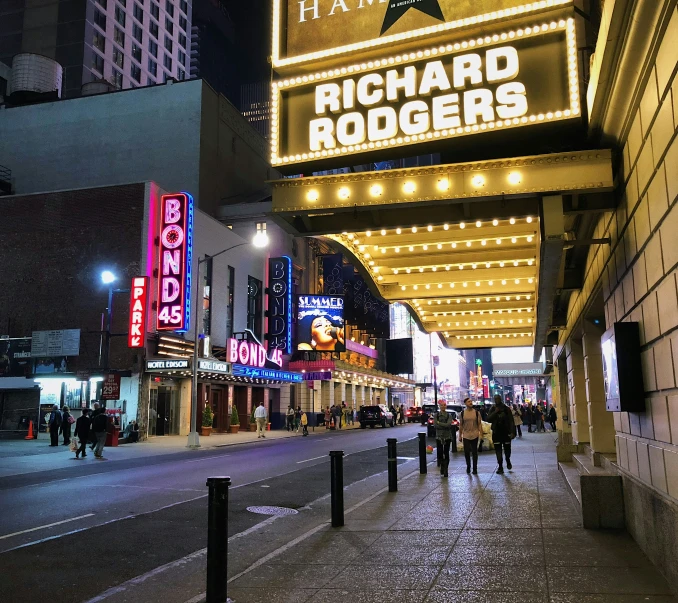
[(136, 53), (182, 40), (103, 3), (153, 28), (169, 7), (181, 74), (136, 73), (120, 15), (99, 41), (118, 57), (123, 2), (254, 306), (150, 81), (168, 43), (182, 22), (229, 302), (98, 63), (169, 26), (166, 76), (100, 19), (117, 78), (119, 37), (138, 13), (182, 58), (152, 67), (155, 11), (153, 48), (137, 33), (167, 62), (183, 5)]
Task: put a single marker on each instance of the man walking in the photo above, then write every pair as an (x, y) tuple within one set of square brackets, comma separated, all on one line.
[(99, 426), (443, 425), (553, 417), (260, 417), (470, 429), (503, 431), (290, 418), (82, 427), (55, 420)]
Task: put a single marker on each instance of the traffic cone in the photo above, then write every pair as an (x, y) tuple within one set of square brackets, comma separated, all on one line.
[(30, 432)]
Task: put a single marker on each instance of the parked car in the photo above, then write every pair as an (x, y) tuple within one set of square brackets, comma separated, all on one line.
[(427, 410), (375, 415), (413, 414)]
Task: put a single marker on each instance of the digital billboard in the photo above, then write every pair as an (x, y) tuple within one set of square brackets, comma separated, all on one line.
[(320, 323)]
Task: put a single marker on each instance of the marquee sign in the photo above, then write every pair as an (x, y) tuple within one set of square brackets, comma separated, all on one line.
[(512, 79), (214, 366), (280, 304), (264, 373), (168, 364), (251, 353), (136, 337), (174, 262), (313, 30)]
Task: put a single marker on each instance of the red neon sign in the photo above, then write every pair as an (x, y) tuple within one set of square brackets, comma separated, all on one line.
[(250, 353), (137, 312), (174, 262)]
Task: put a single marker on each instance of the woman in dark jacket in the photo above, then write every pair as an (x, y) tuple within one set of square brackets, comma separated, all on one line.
[(66, 420), (503, 431), (443, 425)]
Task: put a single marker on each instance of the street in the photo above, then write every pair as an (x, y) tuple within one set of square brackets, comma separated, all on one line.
[(88, 527)]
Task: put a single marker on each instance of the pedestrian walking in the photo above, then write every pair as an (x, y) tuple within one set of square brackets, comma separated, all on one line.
[(529, 415), (297, 418), (260, 418), (517, 420), (328, 417), (97, 410), (66, 421), (470, 430), (290, 418), (538, 419), (99, 427), (503, 431), (553, 417), (55, 420), (337, 416), (443, 425), (304, 423), (82, 429)]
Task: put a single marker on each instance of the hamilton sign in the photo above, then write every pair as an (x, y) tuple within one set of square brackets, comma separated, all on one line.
[(513, 79)]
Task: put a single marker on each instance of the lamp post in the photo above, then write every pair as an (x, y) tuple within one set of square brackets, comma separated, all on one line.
[(108, 278), (260, 240)]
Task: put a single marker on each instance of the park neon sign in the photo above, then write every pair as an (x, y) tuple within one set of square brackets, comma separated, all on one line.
[(174, 262), (136, 337)]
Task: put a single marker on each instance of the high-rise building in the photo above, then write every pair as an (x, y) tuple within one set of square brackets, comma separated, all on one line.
[(128, 43)]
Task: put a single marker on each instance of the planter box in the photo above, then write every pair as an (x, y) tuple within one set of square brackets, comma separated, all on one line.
[(253, 426), (205, 431), (234, 428)]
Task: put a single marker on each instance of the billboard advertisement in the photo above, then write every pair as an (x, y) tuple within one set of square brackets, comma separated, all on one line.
[(15, 357), (174, 262), (320, 323)]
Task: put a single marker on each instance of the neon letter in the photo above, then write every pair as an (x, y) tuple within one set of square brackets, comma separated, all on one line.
[(385, 115), (321, 134), (434, 77), (412, 123), (466, 66), (493, 71), (446, 112), (408, 82), (478, 102)]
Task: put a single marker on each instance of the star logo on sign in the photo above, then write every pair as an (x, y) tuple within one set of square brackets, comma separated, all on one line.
[(397, 8)]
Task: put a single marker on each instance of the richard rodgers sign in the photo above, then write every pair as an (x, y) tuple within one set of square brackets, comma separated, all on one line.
[(516, 78)]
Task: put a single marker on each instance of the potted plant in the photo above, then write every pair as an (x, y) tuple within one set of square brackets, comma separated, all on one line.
[(207, 420), (235, 420), (253, 421)]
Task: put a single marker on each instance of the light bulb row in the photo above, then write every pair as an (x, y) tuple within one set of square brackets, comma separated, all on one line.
[(476, 323), (383, 249), (481, 312), (389, 40), (452, 285), (431, 227), (493, 336), (477, 300), (471, 265)]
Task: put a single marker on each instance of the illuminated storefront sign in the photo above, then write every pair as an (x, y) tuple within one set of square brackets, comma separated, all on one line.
[(314, 30), (137, 312), (169, 364), (280, 304), (174, 262), (214, 366), (318, 376), (251, 353), (264, 373), (512, 79)]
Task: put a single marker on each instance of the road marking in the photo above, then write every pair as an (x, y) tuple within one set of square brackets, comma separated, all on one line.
[(207, 458), (315, 458), (49, 525), (406, 458)]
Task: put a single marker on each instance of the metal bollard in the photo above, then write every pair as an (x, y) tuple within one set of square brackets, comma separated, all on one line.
[(392, 465), (422, 454), (217, 539), (337, 487)]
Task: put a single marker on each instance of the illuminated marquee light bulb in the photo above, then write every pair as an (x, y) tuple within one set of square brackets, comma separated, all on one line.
[(487, 264), (468, 243), (454, 245), (408, 270), (474, 266), (414, 229), (495, 222), (397, 250), (409, 187), (490, 283), (439, 245), (514, 240), (461, 266), (395, 271), (529, 239), (512, 221), (443, 184), (478, 181), (478, 223), (429, 228), (477, 283), (498, 241), (503, 282), (434, 268), (421, 269), (529, 219), (465, 284), (376, 190), (403, 287), (344, 193), (447, 267), (462, 225), (383, 249), (530, 262), (501, 264), (514, 178), (517, 281), (383, 232), (515, 262), (399, 230), (424, 247), (411, 248), (446, 226), (312, 195)]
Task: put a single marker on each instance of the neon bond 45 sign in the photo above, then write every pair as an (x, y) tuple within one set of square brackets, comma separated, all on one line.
[(174, 262)]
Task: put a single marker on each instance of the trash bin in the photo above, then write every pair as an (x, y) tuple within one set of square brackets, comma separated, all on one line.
[(112, 437)]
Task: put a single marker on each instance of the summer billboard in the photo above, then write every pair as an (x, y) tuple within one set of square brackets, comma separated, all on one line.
[(320, 323)]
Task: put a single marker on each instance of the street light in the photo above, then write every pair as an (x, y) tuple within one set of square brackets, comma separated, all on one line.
[(259, 240), (108, 278)]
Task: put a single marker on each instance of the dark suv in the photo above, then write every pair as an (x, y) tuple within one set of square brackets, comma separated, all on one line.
[(375, 415)]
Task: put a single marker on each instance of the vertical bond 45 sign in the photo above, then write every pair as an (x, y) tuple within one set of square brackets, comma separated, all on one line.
[(280, 304), (174, 262)]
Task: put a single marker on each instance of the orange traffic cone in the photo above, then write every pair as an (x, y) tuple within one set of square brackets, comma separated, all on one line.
[(30, 432)]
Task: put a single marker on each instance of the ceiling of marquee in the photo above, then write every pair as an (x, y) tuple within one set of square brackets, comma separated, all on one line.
[(473, 282)]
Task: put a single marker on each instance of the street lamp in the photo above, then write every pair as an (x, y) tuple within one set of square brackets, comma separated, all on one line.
[(259, 240), (108, 278)]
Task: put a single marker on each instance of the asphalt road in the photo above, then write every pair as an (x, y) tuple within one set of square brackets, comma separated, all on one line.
[(102, 524)]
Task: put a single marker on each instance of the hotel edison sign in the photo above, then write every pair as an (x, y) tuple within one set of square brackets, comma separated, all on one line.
[(515, 77)]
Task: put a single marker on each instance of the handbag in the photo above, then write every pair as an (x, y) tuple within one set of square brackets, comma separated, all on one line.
[(73, 446), (71, 420)]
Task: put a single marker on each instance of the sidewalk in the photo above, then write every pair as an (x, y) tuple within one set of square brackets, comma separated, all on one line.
[(512, 538), (28, 456)]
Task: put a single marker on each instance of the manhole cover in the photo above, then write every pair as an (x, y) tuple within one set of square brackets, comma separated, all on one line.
[(272, 510)]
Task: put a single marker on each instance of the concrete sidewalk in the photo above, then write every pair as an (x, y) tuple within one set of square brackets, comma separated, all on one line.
[(512, 538)]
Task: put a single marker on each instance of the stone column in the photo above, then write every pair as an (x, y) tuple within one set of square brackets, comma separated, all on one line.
[(576, 379), (601, 422), (327, 394)]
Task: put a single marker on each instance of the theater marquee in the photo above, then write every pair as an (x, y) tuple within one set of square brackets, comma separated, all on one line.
[(306, 31), (511, 79)]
